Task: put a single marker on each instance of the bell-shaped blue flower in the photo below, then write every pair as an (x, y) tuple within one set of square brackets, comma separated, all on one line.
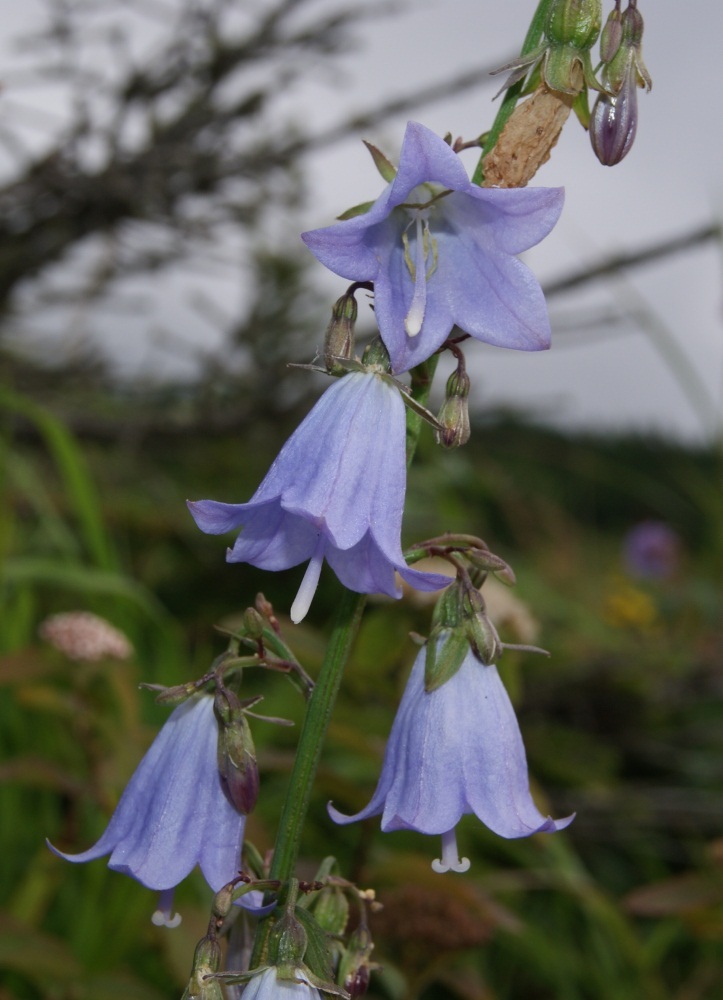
[(335, 492), (174, 813), (268, 986), (452, 751), (441, 252)]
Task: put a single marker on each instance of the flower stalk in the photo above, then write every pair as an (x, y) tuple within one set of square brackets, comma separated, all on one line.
[(532, 40)]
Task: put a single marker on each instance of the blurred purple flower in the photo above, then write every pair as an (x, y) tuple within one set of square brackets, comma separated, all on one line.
[(652, 550), (335, 492), (453, 751), (174, 814), (441, 251)]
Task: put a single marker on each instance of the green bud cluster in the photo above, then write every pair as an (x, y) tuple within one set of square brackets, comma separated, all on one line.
[(459, 623)]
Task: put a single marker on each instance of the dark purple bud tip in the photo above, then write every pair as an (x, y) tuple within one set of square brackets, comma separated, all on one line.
[(613, 124)]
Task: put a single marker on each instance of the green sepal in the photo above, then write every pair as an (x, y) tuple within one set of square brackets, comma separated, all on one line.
[(316, 957), (447, 614), (351, 213), (385, 166), (560, 69), (581, 107), (443, 658)]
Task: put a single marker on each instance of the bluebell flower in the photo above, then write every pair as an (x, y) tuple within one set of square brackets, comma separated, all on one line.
[(452, 751), (174, 814), (441, 252), (268, 986), (335, 492)]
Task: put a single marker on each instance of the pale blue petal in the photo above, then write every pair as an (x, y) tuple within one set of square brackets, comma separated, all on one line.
[(478, 284), (173, 814), (454, 751), (267, 986), (340, 478)]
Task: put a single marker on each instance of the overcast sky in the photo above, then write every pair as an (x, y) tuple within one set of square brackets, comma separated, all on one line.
[(670, 183)]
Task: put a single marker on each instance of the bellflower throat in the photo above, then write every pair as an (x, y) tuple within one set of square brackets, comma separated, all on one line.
[(441, 252)]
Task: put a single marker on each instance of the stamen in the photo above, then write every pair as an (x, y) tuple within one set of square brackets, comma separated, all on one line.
[(415, 317), (162, 916), (450, 860), (306, 591)]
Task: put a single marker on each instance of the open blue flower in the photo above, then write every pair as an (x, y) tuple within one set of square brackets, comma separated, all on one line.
[(441, 252), (452, 751), (335, 492), (174, 814)]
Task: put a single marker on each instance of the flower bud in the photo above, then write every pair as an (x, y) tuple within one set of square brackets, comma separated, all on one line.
[(236, 753), (355, 966), (613, 124), (288, 942), (627, 59), (206, 961), (574, 22), (253, 624), (480, 632), (612, 34), (454, 414), (331, 910), (339, 339)]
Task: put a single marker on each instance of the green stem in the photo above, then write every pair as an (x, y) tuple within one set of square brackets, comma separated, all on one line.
[(321, 703), (532, 40), (421, 385), (308, 752)]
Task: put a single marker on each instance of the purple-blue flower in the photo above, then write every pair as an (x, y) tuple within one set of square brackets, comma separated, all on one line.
[(653, 550), (441, 252), (335, 492), (174, 814), (452, 751)]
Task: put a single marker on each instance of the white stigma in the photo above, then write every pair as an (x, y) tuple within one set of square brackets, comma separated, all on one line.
[(306, 591), (162, 916), (450, 860), (415, 317)]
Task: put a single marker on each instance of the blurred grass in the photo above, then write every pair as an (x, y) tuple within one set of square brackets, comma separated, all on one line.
[(624, 723)]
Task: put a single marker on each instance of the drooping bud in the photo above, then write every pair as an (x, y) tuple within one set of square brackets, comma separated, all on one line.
[(355, 965), (613, 124), (626, 61), (614, 119), (253, 624), (454, 414), (236, 753), (339, 339), (480, 633), (612, 34), (331, 909)]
